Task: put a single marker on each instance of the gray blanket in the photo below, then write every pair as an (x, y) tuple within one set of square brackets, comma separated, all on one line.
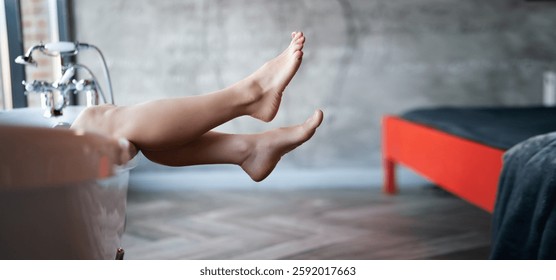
[(524, 219)]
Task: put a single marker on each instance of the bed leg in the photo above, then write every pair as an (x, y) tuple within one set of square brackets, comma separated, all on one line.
[(389, 176)]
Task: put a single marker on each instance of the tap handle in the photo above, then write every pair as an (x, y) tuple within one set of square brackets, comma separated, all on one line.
[(68, 74), (30, 87), (84, 85), (36, 86), (79, 85)]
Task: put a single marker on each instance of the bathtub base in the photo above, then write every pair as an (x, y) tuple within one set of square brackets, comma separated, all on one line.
[(84, 221)]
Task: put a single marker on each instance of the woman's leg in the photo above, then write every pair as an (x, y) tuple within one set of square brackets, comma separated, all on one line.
[(257, 154), (163, 124)]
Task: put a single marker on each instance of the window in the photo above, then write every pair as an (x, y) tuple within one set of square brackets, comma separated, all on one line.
[(24, 23)]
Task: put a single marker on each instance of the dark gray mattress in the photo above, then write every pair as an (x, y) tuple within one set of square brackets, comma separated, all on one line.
[(498, 127)]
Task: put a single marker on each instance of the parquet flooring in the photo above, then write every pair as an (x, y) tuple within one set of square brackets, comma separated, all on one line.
[(332, 223)]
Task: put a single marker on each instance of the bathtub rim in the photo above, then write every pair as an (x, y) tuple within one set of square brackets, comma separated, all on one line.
[(33, 156)]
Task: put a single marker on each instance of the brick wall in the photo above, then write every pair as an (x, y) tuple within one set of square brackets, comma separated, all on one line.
[(36, 24)]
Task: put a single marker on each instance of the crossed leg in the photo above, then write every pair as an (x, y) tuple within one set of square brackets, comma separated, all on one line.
[(177, 131), (256, 154)]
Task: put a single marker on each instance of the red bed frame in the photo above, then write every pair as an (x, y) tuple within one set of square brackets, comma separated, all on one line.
[(465, 168)]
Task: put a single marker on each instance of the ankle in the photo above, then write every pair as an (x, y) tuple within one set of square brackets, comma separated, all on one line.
[(244, 147), (246, 92)]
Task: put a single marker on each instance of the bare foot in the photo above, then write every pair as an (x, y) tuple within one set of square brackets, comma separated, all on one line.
[(269, 147), (264, 87)]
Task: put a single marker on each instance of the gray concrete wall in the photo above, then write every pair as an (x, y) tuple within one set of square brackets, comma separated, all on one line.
[(363, 58)]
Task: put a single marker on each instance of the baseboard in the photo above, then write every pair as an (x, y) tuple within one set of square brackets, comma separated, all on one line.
[(281, 178)]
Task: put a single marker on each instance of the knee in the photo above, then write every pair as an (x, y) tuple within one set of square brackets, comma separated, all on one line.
[(96, 119)]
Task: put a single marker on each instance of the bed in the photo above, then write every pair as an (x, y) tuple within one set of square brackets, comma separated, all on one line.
[(459, 149)]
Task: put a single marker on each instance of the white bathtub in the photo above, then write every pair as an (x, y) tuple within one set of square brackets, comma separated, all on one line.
[(62, 195)]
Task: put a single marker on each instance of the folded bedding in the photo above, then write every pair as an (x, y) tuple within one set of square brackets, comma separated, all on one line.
[(524, 218)]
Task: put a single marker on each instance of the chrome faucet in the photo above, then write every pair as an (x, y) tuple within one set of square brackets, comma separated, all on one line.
[(56, 95)]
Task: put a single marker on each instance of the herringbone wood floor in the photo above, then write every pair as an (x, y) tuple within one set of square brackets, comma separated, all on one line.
[(418, 223)]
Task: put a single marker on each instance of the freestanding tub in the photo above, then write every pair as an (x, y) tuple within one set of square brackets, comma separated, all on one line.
[(62, 192)]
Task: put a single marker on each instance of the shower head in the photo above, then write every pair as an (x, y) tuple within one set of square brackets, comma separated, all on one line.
[(64, 48), (51, 49)]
